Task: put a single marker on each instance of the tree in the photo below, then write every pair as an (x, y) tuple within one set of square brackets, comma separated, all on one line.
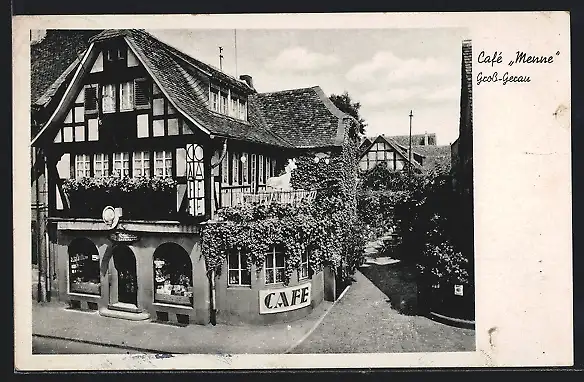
[(344, 103)]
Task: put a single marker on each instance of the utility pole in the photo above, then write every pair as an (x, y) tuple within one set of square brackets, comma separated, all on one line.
[(235, 41), (410, 150), (221, 58)]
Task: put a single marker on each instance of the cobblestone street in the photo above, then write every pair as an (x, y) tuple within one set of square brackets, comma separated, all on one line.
[(363, 321)]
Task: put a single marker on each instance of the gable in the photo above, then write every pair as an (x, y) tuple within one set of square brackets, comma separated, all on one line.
[(382, 150), (115, 98)]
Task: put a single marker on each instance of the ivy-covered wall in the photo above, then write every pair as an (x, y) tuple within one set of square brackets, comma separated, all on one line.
[(336, 182), (328, 227)]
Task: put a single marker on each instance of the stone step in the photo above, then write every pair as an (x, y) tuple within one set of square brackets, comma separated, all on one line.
[(124, 307), (124, 315)]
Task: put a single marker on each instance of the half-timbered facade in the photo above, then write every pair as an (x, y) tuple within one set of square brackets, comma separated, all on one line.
[(165, 140)]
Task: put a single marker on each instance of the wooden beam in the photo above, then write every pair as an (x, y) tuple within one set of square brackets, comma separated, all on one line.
[(53, 174)]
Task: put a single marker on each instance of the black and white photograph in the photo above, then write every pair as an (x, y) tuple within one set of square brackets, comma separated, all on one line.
[(254, 191)]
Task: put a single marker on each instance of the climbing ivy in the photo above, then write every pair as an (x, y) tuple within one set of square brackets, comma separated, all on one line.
[(255, 229), (328, 228)]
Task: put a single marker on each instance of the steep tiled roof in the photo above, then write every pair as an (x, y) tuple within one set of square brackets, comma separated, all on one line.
[(53, 60), (416, 138), (175, 79), (213, 71), (293, 118), (304, 117)]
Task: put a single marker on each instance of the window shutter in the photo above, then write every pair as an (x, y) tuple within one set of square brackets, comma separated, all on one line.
[(90, 98), (141, 92)]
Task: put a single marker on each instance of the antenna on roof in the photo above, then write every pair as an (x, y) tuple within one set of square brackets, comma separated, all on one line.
[(235, 38), (220, 58)]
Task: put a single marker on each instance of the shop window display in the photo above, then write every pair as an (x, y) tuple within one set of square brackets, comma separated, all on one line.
[(173, 272), (84, 267)]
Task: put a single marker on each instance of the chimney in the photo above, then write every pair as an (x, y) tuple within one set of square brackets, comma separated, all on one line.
[(248, 80), (426, 138)]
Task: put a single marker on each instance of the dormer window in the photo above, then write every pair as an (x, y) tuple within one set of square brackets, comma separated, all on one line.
[(214, 100), (224, 104), (227, 103)]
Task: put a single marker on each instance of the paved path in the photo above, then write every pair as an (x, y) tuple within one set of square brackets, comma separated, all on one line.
[(363, 321), (53, 320), (43, 345)]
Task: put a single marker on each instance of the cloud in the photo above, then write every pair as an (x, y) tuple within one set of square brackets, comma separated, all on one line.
[(416, 93), (443, 94), (383, 97), (295, 59), (385, 65)]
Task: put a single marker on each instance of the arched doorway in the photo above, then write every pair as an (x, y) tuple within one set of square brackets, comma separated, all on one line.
[(125, 265)]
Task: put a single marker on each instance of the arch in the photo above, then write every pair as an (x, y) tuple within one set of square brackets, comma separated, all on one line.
[(173, 275), (84, 272)]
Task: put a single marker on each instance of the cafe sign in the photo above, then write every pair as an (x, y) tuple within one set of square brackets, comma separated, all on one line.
[(123, 237), (285, 299)]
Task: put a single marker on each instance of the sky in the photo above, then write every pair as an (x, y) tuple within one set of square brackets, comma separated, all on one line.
[(389, 71)]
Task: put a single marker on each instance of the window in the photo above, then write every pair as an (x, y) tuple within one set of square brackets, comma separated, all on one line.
[(274, 266), (141, 93), (163, 163), (214, 100), (83, 267), (173, 126), (268, 167), (90, 99), (158, 128), (261, 164), (158, 106), (142, 126), (100, 165), (234, 112), (224, 104), (67, 133), (239, 274), (235, 168), (79, 133), (242, 110), (127, 96), (254, 173), (121, 164), (142, 164), (109, 98), (245, 169), (173, 275), (304, 266), (82, 166), (225, 169), (115, 54)]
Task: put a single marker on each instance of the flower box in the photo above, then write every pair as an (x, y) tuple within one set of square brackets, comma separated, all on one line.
[(139, 197), (85, 287)]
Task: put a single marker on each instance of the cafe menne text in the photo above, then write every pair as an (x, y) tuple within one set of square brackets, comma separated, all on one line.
[(504, 78)]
